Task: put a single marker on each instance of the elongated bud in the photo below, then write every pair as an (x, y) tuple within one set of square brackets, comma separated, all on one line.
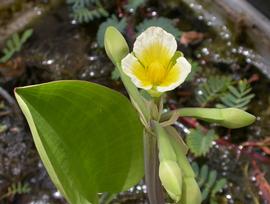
[(227, 117), (180, 155), (191, 192), (165, 148), (236, 118), (115, 45), (171, 179)]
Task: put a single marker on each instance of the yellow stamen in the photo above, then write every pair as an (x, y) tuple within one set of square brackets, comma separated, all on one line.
[(156, 72)]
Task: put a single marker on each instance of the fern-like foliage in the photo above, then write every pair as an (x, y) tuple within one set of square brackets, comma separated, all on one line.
[(113, 21), (199, 142), (133, 4), (14, 44), (238, 97), (85, 11), (84, 15), (207, 180), (212, 89), (162, 22), (17, 188)]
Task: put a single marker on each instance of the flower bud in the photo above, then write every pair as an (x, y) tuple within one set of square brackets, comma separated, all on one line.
[(191, 192), (115, 45), (171, 178), (165, 148), (227, 117), (236, 118)]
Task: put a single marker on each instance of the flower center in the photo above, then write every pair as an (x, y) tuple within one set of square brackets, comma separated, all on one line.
[(156, 72)]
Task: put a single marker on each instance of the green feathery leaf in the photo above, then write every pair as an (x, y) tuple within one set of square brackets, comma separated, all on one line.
[(212, 89), (208, 182), (14, 44), (200, 142), (85, 11), (237, 97)]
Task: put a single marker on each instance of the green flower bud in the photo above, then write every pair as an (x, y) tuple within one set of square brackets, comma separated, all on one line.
[(171, 178), (115, 45), (165, 148), (181, 155), (191, 192), (227, 117), (236, 118)]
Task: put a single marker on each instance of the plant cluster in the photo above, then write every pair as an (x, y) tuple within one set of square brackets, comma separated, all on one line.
[(84, 130)]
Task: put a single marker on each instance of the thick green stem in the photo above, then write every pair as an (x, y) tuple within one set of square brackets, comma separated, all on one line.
[(151, 165), (201, 113)]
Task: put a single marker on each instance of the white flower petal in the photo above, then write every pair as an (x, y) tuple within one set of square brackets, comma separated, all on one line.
[(132, 67), (176, 76), (155, 44), (140, 84)]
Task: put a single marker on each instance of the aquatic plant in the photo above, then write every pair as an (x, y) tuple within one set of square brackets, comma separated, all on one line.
[(14, 44), (239, 96), (92, 139), (212, 89), (208, 182), (225, 92), (16, 188), (200, 142), (85, 11)]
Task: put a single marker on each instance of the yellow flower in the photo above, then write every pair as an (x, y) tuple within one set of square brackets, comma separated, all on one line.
[(154, 64)]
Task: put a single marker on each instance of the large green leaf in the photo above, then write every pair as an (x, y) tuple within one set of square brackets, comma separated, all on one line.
[(88, 136)]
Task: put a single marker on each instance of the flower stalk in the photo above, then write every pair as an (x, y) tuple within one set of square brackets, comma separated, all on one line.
[(227, 117), (151, 165)]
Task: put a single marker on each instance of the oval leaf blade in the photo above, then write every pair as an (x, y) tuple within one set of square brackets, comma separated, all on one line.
[(88, 136)]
